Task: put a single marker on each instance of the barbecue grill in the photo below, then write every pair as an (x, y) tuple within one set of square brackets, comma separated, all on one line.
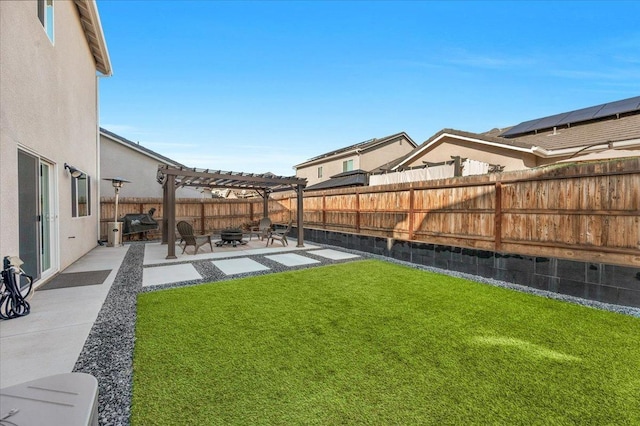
[(136, 223)]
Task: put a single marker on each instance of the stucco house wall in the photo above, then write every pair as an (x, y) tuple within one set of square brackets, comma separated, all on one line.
[(329, 168), (120, 160), (48, 109), (367, 159), (371, 160)]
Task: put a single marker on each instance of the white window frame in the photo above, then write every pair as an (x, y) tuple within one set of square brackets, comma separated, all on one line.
[(77, 197), (347, 165), (45, 15), (319, 172)]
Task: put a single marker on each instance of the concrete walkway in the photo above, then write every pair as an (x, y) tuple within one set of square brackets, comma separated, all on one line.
[(50, 339)]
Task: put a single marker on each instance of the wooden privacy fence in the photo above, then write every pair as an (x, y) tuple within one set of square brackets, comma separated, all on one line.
[(588, 212), (205, 214)]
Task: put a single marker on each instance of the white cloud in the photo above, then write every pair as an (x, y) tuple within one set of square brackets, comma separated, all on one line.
[(632, 76), (475, 60)]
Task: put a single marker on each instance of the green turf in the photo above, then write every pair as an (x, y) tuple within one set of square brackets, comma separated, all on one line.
[(372, 342)]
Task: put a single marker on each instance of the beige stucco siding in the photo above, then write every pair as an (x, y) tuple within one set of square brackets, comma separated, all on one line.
[(48, 95), (447, 147), (330, 168), (367, 160), (371, 160), (118, 160)]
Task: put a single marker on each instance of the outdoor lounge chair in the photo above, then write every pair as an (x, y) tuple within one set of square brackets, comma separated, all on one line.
[(262, 229), (279, 235), (189, 239)]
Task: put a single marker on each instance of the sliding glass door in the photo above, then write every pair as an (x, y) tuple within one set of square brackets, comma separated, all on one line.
[(36, 208), (46, 217)]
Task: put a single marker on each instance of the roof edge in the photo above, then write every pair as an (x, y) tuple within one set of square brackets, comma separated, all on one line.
[(350, 149), (457, 135), (139, 148), (88, 10), (550, 153)]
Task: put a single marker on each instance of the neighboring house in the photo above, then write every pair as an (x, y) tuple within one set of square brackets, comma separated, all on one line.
[(51, 52), (547, 140), (364, 156), (232, 194), (120, 157), (342, 180)]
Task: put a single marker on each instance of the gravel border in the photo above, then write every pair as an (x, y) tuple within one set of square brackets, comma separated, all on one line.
[(108, 352)]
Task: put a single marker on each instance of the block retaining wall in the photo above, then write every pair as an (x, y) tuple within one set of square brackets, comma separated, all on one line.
[(614, 284)]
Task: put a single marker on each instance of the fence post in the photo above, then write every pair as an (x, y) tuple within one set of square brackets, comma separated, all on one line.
[(498, 217), (357, 210), (411, 198), (324, 211), (202, 217)]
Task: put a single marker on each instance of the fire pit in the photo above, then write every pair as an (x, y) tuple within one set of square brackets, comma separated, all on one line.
[(231, 236)]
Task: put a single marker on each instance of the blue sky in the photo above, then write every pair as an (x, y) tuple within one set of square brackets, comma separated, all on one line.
[(262, 86)]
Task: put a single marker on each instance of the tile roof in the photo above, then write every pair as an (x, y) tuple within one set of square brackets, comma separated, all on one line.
[(586, 134), (581, 135), (571, 118)]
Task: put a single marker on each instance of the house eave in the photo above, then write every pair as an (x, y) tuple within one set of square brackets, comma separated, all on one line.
[(333, 155), (551, 153), (90, 20), (141, 151), (326, 159)]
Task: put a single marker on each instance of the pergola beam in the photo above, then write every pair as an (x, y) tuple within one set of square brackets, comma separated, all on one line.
[(257, 180), (172, 178)]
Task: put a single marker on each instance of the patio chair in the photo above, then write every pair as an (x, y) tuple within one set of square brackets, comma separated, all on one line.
[(279, 235), (262, 229), (190, 239)]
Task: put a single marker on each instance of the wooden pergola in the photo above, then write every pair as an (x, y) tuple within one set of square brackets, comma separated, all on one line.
[(172, 178)]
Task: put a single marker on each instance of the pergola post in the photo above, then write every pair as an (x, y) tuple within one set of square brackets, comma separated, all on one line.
[(265, 203), (170, 213), (165, 209), (300, 190), (262, 183)]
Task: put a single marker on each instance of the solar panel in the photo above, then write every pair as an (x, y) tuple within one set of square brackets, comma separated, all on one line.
[(584, 114), (520, 128), (553, 120), (576, 116), (620, 107), (531, 125)]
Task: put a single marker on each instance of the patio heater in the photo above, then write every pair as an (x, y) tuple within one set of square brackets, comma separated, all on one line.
[(114, 229)]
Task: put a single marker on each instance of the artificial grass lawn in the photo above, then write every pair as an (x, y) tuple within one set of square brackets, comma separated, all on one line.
[(372, 342)]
